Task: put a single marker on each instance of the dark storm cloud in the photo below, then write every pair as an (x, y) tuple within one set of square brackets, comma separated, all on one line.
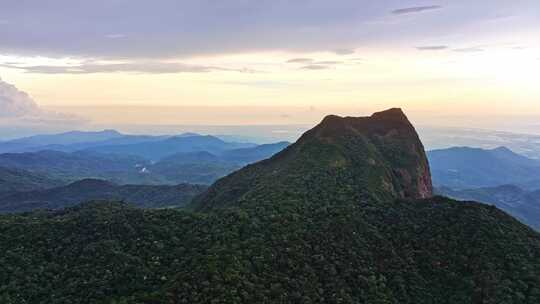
[(415, 9)]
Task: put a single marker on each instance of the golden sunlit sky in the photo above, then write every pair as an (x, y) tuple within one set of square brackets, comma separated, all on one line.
[(268, 62)]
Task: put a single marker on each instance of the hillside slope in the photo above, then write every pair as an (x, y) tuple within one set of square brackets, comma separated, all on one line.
[(378, 157), (465, 168), (146, 196), (156, 150), (12, 179), (345, 215), (524, 205)]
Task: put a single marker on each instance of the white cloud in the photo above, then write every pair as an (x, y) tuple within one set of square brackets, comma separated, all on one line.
[(17, 107), (115, 36), (415, 9), (15, 103), (144, 67), (344, 51), (194, 28)]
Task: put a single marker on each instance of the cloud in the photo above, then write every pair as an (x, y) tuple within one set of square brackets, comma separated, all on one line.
[(415, 9), (328, 62), (144, 67), (155, 30), (17, 107), (344, 51), (432, 48), (469, 50), (300, 60), (315, 67), (115, 36), (313, 62), (15, 103), (265, 84)]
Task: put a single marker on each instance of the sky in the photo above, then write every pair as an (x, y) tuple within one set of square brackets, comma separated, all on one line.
[(81, 64)]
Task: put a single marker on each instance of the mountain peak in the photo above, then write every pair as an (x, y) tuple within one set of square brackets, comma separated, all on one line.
[(391, 114), (379, 157), (379, 122), (503, 149)]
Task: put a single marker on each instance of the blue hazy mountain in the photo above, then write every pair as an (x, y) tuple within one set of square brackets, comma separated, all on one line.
[(253, 154), (71, 166), (146, 196), (524, 205), (464, 167), (67, 138), (79, 140), (205, 167), (12, 179), (123, 168), (156, 150), (63, 139)]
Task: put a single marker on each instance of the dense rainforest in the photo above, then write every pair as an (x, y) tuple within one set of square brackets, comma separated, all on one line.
[(345, 215)]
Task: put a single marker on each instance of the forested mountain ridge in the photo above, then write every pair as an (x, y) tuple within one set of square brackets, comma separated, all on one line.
[(466, 168), (380, 157), (45, 141), (345, 215), (12, 179), (196, 167), (156, 150), (523, 204), (68, 166), (146, 196)]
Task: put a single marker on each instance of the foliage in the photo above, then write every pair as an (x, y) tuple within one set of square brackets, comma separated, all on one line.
[(316, 223), (12, 179), (435, 251), (523, 204), (147, 196)]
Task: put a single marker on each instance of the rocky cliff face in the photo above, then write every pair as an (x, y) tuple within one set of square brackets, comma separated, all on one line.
[(379, 157), (395, 142)]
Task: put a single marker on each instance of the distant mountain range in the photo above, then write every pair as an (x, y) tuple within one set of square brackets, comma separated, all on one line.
[(524, 205), (158, 149), (67, 138), (111, 141), (465, 168), (497, 176), (73, 166), (344, 215), (90, 190), (194, 166), (444, 138), (205, 167), (12, 179), (45, 142)]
